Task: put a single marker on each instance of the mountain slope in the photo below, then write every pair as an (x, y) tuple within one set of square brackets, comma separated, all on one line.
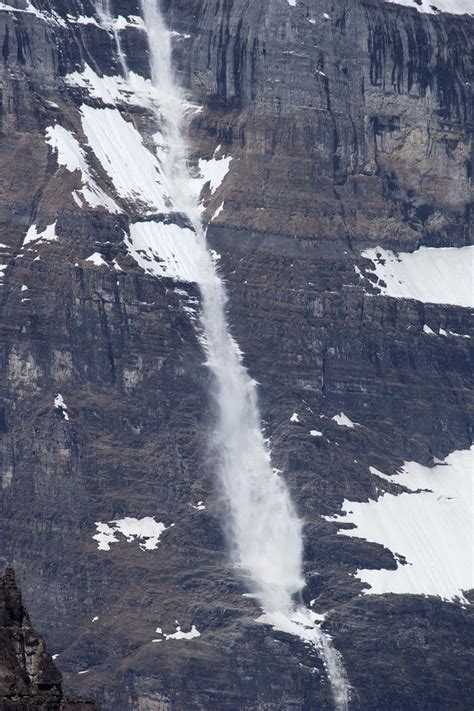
[(345, 132)]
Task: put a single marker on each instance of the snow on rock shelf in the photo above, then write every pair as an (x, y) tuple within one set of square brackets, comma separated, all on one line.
[(199, 506), (455, 7), (48, 235), (133, 169), (179, 634), (97, 259), (213, 171), (136, 90), (430, 525), (218, 211), (165, 250), (146, 530), (70, 155), (437, 275), (343, 421), (60, 405)]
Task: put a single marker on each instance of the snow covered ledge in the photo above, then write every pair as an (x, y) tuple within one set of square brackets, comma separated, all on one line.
[(436, 275), (455, 7), (430, 525)]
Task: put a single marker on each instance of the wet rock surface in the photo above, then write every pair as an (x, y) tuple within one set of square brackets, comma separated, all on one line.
[(346, 131)]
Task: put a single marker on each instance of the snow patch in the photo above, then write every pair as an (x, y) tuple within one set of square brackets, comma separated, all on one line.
[(218, 211), (213, 171), (437, 275), (179, 35), (315, 433), (458, 335), (48, 235), (51, 18), (455, 7), (59, 404), (430, 526), (83, 20), (165, 250), (294, 417), (133, 169), (114, 89), (343, 421), (72, 157), (199, 506), (97, 259), (179, 634), (146, 530)]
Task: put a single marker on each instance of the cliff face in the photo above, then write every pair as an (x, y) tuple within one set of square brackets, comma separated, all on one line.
[(350, 120), (349, 125), (28, 677)]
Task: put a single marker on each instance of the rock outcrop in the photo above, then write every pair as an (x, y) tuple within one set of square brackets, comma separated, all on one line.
[(29, 678), (349, 124)]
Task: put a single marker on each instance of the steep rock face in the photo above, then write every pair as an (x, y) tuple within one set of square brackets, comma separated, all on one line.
[(28, 677), (350, 120), (345, 132)]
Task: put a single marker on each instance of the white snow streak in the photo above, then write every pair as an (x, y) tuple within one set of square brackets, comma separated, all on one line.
[(218, 211)]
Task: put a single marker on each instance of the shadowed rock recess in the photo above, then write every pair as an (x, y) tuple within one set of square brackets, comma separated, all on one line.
[(349, 126)]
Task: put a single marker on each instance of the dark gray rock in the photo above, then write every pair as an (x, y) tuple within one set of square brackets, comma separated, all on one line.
[(29, 678), (345, 132)]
